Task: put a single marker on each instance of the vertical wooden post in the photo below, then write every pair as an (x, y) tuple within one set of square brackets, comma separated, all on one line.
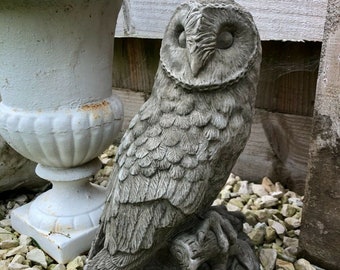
[(320, 231)]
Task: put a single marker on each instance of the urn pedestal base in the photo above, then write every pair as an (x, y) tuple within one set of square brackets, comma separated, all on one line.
[(64, 219), (61, 247)]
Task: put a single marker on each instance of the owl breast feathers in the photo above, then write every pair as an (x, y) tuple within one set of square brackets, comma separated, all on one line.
[(181, 146)]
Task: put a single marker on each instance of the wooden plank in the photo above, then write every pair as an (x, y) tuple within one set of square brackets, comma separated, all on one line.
[(288, 77), (295, 20), (277, 147), (132, 101), (135, 63), (287, 82), (258, 158)]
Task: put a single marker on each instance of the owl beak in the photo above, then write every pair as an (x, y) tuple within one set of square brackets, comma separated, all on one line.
[(195, 65)]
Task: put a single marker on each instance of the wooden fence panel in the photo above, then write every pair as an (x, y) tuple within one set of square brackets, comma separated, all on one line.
[(295, 20), (288, 73)]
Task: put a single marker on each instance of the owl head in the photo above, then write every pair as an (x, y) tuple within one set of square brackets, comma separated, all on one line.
[(209, 44)]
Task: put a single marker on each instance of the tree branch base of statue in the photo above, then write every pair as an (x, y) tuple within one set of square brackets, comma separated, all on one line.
[(215, 241)]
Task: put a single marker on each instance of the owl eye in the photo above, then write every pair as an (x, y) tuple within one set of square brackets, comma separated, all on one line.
[(224, 40), (182, 40)]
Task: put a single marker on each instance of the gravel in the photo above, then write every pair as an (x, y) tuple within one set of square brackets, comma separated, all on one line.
[(273, 218)]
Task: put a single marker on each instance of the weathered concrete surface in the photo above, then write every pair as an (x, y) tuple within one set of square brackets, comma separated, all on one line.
[(320, 232)]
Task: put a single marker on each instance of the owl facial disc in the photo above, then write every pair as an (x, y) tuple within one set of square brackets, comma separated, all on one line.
[(210, 46)]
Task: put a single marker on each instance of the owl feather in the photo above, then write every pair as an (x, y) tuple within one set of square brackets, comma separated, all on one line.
[(181, 146)]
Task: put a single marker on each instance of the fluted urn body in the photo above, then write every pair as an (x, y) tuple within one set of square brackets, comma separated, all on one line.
[(58, 110)]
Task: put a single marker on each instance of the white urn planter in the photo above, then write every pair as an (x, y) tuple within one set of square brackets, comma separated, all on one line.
[(58, 110)]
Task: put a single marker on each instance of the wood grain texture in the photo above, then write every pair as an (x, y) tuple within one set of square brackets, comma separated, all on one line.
[(297, 20), (288, 77), (135, 63), (287, 80), (277, 147), (132, 102)]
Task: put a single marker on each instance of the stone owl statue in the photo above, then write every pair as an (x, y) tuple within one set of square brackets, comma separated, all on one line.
[(181, 146)]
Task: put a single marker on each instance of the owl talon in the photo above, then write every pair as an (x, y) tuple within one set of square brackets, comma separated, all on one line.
[(221, 227), (201, 236), (203, 230)]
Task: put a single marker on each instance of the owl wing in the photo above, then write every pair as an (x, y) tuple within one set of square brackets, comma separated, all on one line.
[(161, 178)]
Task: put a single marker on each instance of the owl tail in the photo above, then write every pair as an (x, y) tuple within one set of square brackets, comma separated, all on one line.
[(103, 260)]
